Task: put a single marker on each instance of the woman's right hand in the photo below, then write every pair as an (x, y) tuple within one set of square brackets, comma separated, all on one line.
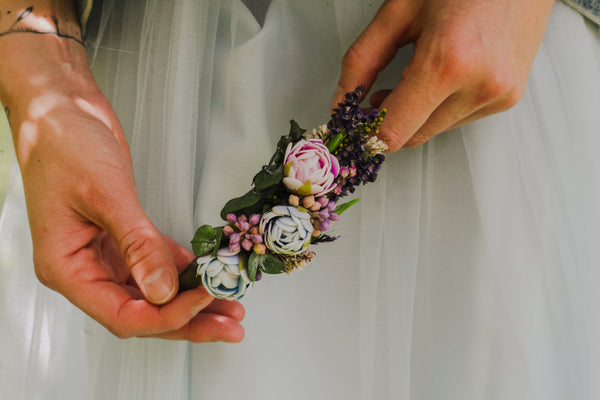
[(92, 241), (472, 59)]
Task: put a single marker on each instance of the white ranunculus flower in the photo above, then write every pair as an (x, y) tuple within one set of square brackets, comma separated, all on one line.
[(286, 230), (221, 275)]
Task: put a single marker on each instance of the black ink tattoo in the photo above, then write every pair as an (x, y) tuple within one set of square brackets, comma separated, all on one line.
[(58, 31), (7, 112)]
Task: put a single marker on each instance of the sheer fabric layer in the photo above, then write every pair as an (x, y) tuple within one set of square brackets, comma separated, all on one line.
[(465, 272)]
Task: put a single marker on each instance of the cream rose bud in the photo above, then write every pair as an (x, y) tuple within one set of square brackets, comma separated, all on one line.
[(309, 168), (222, 276), (286, 230)]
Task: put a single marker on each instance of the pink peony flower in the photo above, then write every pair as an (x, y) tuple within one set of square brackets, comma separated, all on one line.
[(309, 168)]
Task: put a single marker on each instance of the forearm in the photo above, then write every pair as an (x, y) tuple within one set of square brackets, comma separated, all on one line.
[(43, 63), (41, 49)]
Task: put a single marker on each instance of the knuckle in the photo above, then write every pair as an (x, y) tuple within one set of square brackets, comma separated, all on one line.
[(137, 245), (416, 141), (89, 194), (219, 331), (119, 331), (119, 324), (41, 272), (173, 323), (513, 97), (353, 57), (85, 190), (455, 60), (496, 85), (44, 271), (239, 313)]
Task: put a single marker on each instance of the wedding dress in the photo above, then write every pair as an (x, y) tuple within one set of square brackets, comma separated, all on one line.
[(469, 270)]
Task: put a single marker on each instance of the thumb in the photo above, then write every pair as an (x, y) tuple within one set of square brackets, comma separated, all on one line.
[(145, 252)]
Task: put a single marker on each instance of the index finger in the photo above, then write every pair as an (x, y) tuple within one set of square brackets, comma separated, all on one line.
[(375, 48), (126, 314)]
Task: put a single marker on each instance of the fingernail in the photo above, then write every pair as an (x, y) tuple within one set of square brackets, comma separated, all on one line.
[(158, 286)]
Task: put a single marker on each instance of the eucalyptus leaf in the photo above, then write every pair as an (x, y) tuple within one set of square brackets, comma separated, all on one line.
[(271, 264), (343, 207), (268, 177), (296, 133), (242, 204), (277, 158), (204, 240)]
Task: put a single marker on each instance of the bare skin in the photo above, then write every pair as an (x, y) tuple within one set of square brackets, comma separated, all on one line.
[(472, 59), (92, 241)]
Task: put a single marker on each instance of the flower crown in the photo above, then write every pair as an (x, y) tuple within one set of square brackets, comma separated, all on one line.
[(293, 201)]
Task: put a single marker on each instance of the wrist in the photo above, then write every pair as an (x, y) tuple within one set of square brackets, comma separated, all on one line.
[(37, 64), (41, 51)]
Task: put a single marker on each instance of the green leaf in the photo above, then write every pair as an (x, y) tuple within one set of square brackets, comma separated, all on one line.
[(267, 178), (271, 264), (277, 157), (243, 204), (343, 207), (296, 133), (218, 238), (204, 240), (336, 140), (253, 265), (268, 263)]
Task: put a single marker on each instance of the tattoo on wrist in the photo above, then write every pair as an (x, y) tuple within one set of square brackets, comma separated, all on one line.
[(7, 112), (52, 25)]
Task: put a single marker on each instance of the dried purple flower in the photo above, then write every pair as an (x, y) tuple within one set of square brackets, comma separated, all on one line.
[(348, 115), (359, 156)]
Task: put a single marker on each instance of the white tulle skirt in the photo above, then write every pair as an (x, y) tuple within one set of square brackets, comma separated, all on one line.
[(470, 270)]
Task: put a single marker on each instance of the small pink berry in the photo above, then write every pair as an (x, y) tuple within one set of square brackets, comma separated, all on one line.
[(247, 244), (325, 226), (257, 238), (323, 200), (244, 226), (254, 219), (231, 218)]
